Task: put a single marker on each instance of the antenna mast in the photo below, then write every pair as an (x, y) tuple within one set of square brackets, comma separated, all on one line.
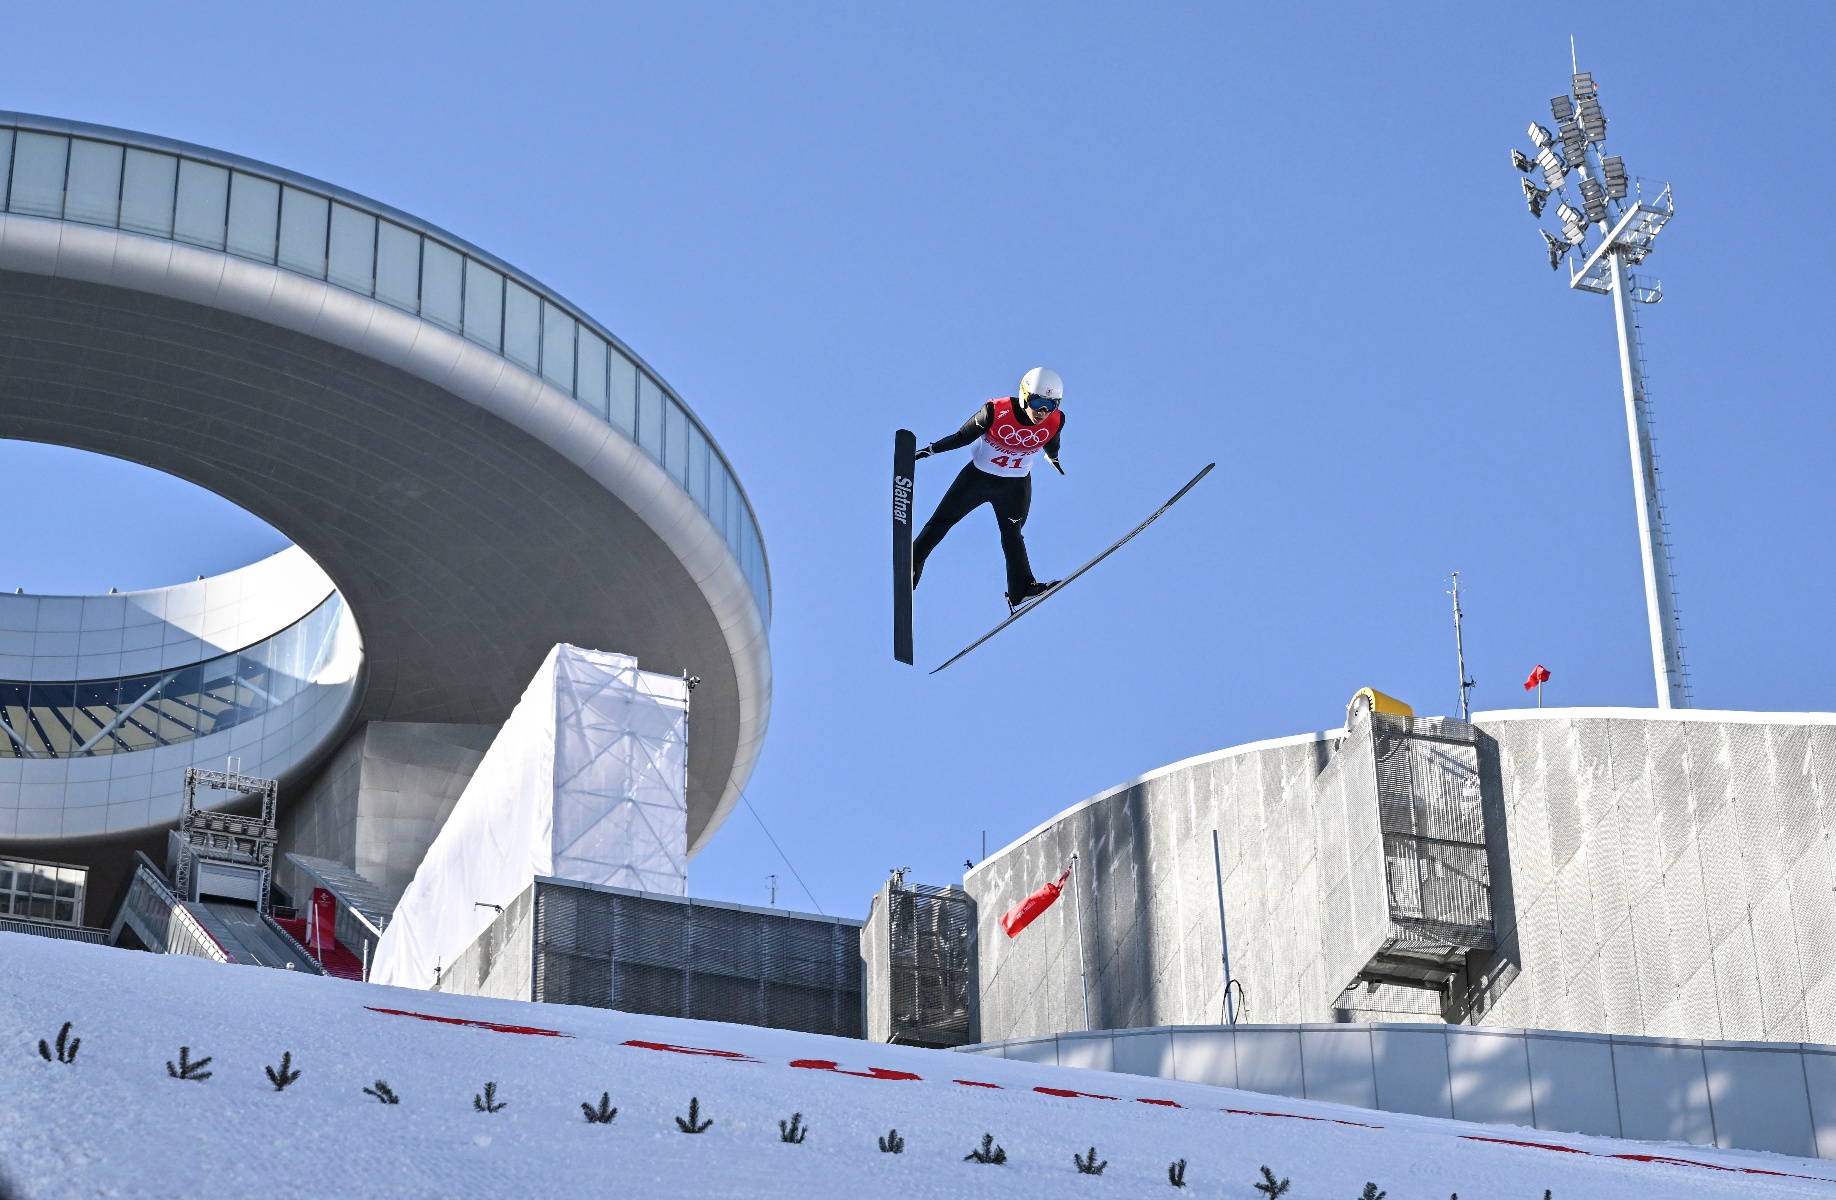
[(1459, 641)]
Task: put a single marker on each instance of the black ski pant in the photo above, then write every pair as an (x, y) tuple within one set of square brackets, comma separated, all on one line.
[(973, 487)]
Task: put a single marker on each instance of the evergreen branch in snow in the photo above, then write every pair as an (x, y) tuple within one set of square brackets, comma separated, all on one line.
[(1176, 1173), (1088, 1165), (187, 1069), (794, 1131), (1371, 1193), (989, 1153), (1269, 1186), (286, 1075), (892, 1143), (383, 1093), (603, 1114), (694, 1124), (66, 1047), (488, 1103)]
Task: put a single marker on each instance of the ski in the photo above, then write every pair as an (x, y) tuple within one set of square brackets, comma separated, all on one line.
[(1036, 601), (905, 450)]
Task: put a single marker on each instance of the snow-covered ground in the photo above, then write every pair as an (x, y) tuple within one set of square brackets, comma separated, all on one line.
[(115, 1122)]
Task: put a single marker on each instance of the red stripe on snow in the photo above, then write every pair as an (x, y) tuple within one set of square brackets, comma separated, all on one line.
[(491, 1025), (976, 1083), (824, 1064), (1068, 1094), (729, 1055), (1250, 1112), (1646, 1158)]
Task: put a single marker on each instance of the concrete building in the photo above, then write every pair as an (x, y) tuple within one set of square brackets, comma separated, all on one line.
[(471, 469), (1652, 873)]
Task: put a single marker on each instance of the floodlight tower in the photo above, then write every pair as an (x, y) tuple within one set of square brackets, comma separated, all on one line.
[(1626, 221)]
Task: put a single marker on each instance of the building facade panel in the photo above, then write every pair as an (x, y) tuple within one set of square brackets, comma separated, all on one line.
[(1628, 907)]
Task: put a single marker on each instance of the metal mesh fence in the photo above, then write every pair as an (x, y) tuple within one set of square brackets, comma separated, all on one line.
[(1433, 827), (676, 957), (930, 931)]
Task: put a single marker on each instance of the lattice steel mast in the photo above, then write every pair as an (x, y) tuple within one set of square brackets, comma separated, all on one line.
[(1627, 226)]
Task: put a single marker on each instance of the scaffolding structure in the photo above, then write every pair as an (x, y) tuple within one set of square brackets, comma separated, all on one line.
[(1403, 847), (920, 946), (229, 846)]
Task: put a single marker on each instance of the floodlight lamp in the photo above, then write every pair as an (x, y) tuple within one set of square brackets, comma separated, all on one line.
[(1554, 169), (1520, 161), (1574, 142), (1570, 215), (1556, 247), (1593, 199), (1592, 120), (1535, 197), (1541, 136), (1576, 234), (1561, 107), (1584, 85), (1614, 169)]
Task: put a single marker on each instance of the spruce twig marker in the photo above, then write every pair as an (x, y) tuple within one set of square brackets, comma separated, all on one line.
[(694, 1124), (488, 1103), (1269, 1186), (892, 1143), (603, 1114), (187, 1069), (1371, 1193), (66, 1047), (795, 1131), (989, 1153), (383, 1093), (286, 1075), (1176, 1173), (1088, 1165)]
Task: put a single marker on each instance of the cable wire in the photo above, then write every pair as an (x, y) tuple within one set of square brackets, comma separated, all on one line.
[(781, 854)]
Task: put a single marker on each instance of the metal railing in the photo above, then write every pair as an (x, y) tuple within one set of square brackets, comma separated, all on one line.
[(155, 187)]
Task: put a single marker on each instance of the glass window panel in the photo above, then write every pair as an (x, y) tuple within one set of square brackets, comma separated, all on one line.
[(736, 513), (351, 255), (557, 347), (398, 266), (484, 305), (254, 216), (590, 378), (621, 394), (303, 222), (698, 465), (148, 181), (203, 204), (6, 163), (650, 416), (93, 193), (38, 174), (522, 325), (716, 492), (676, 443), (442, 277)]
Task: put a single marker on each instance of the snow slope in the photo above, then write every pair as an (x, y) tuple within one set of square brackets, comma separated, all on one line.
[(114, 1122)]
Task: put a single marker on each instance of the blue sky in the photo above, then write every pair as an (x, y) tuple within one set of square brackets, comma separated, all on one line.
[(1284, 238)]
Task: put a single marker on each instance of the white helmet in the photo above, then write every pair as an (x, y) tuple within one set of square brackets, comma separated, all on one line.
[(1042, 383)]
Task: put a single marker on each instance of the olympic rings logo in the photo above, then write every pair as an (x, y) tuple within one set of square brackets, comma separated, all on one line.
[(1024, 438)]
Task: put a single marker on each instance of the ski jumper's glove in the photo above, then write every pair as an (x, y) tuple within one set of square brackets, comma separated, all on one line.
[(924, 452)]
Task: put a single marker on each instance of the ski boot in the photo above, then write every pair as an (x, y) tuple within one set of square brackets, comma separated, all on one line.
[(1032, 592)]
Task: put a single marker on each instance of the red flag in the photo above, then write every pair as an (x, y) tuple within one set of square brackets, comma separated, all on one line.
[(1023, 914), (1537, 678)]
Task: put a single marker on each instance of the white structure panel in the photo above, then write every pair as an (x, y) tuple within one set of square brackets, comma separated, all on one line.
[(587, 781)]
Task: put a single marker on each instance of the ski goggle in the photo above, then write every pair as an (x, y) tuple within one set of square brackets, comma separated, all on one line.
[(1044, 404)]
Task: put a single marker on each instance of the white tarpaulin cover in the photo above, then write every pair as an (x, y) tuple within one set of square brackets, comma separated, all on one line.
[(587, 780)]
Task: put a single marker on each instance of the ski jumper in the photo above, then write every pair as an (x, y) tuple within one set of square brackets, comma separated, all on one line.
[(999, 475)]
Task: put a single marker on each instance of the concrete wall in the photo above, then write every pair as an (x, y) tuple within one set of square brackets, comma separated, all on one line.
[(1736, 1095), (382, 798), (1665, 874)]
